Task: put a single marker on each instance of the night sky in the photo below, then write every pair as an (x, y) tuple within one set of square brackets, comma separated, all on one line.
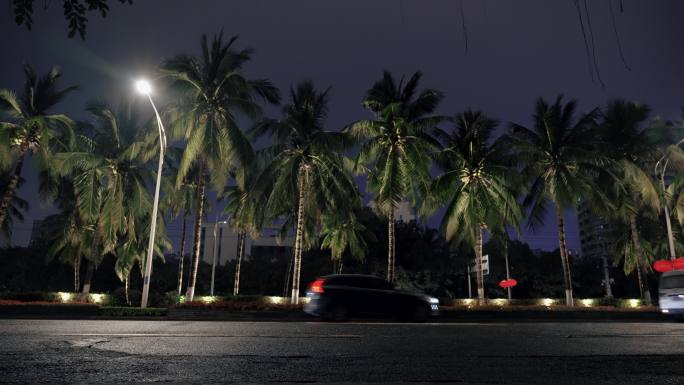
[(517, 52)]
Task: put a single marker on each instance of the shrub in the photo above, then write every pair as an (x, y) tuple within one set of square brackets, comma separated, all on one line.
[(238, 305), (29, 296), (118, 311)]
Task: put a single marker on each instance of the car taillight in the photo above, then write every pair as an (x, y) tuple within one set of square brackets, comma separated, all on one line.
[(317, 286)]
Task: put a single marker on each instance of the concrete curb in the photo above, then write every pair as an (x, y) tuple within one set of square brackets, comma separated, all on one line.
[(446, 316)]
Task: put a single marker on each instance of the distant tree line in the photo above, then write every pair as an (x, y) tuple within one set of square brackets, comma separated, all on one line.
[(490, 179)]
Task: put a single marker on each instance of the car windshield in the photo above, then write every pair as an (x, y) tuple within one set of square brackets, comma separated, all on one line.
[(672, 282)]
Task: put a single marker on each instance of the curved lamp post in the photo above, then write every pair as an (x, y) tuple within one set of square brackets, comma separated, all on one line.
[(670, 237), (144, 88)]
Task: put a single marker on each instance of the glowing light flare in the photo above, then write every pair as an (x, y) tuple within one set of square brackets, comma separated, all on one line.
[(143, 86), (208, 299), (547, 301), (588, 302), (96, 298), (64, 296)]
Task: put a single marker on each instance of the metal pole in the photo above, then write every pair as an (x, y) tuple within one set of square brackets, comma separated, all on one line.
[(213, 262), (670, 237), (508, 273), (470, 285), (153, 225)]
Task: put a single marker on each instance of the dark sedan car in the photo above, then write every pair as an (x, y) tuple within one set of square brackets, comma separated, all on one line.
[(338, 297)]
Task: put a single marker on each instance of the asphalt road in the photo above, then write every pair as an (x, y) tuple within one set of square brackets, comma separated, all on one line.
[(41, 351)]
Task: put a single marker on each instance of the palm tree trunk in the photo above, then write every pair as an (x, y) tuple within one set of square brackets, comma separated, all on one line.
[(643, 286), (567, 276), (87, 280), (182, 257), (606, 276), (478, 266), (390, 246), (339, 267), (296, 271), (126, 285), (288, 274), (77, 272), (241, 252), (190, 294), (13, 183)]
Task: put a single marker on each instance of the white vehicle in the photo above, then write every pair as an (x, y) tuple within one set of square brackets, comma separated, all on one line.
[(671, 293)]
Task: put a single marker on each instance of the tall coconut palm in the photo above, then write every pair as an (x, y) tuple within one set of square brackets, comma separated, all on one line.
[(213, 91), (70, 241), (306, 176), (110, 174), (28, 127), (15, 211), (245, 211), (395, 145), (557, 154), (132, 250), (479, 183), (344, 235), (179, 201), (632, 153)]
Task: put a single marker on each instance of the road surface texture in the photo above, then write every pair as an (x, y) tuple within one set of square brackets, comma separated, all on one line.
[(70, 351)]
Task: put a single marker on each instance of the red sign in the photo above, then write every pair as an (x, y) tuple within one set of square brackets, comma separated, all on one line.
[(663, 265), (678, 264), (506, 283)]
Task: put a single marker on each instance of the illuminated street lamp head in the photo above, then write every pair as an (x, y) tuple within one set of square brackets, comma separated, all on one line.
[(143, 86)]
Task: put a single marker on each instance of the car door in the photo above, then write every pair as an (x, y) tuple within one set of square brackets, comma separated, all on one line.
[(381, 295)]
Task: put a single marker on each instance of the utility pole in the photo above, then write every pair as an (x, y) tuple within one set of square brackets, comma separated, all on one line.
[(508, 273)]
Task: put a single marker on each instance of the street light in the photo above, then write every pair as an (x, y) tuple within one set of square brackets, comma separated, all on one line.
[(144, 88), (670, 237)]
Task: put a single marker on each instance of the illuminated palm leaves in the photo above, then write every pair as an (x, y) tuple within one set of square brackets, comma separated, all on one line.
[(27, 126)]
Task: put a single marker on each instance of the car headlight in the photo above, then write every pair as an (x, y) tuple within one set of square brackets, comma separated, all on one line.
[(434, 300)]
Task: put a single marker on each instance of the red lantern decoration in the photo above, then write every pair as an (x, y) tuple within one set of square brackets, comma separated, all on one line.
[(506, 283), (663, 265), (678, 264)]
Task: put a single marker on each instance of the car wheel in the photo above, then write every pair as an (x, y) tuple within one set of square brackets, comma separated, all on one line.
[(420, 313)]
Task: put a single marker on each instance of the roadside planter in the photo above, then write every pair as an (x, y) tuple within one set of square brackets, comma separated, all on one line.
[(549, 303), (236, 308)]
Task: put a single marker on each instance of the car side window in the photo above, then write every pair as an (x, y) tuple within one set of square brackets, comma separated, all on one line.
[(379, 284)]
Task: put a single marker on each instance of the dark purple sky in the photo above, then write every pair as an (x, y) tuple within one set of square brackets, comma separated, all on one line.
[(518, 51)]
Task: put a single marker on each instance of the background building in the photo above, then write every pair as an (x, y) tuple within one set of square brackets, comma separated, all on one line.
[(405, 212), (596, 235), (227, 243)]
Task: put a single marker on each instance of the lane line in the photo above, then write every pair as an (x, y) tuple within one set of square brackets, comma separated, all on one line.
[(198, 335)]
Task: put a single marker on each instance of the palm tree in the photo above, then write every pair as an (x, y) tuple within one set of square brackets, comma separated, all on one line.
[(344, 234), (244, 209), (133, 249), (557, 154), (110, 174), (30, 127), (633, 156), (179, 200), (479, 184), (69, 241), (306, 176), (396, 146), (213, 91), (15, 210)]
